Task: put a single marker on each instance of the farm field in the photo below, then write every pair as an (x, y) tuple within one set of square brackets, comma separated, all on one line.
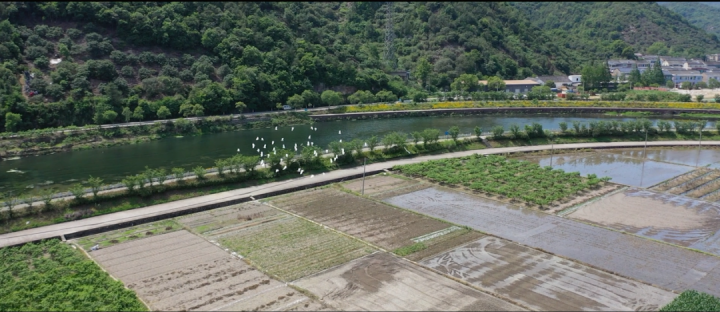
[(375, 222), (382, 282), (674, 219), (108, 239), (518, 181), (703, 184), (54, 276), (630, 256), (277, 243), (181, 271), (383, 186), (623, 170), (545, 282)]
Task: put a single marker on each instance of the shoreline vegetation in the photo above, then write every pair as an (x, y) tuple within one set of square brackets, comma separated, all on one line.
[(51, 140), (159, 185)]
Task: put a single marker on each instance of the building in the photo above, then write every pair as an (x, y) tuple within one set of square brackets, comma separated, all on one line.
[(672, 59), (650, 58), (575, 78), (680, 76), (558, 80), (711, 75), (713, 57), (618, 73), (515, 86), (673, 63), (695, 65), (612, 64), (711, 65), (644, 64)]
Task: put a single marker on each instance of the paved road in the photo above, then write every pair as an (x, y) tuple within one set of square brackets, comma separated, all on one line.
[(56, 230)]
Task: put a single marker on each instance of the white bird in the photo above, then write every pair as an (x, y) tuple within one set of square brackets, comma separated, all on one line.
[(253, 145), (309, 137), (273, 143), (331, 160), (315, 128), (301, 171), (282, 139), (258, 150), (273, 149), (298, 170), (286, 155), (277, 170), (275, 127), (27, 222), (261, 154), (284, 167), (238, 150), (264, 145), (311, 127), (340, 140), (343, 151), (308, 143), (274, 153), (257, 138), (365, 144), (262, 162), (292, 128), (296, 147), (315, 152), (312, 143), (326, 151), (262, 139), (283, 146), (339, 131)]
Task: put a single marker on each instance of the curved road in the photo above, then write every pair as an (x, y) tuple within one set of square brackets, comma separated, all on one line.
[(59, 229)]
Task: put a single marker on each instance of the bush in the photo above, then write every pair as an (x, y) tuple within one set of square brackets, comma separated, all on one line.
[(498, 131), (692, 300), (699, 97)]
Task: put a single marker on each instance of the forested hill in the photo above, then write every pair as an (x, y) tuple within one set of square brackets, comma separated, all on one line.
[(602, 29), (198, 58), (701, 14)]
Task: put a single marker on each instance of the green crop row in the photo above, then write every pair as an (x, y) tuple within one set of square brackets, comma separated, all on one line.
[(692, 300), (51, 276)]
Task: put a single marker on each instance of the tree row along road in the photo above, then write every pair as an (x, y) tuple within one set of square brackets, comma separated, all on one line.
[(59, 229)]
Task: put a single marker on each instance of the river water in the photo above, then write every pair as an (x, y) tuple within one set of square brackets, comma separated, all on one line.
[(113, 163)]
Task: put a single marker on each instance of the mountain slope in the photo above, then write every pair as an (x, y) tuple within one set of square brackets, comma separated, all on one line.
[(203, 57), (700, 14), (599, 30)]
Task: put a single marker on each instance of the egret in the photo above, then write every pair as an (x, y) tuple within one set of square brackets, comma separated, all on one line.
[(365, 144), (296, 147), (284, 167), (339, 131), (253, 145), (326, 151), (301, 171), (238, 150), (311, 127), (286, 155), (343, 151), (331, 160), (298, 170), (257, 138), (309, 137), (261, 154), (273, 143), (262, 139), (262, 162), (283, 146), (312, 143), (275, 127), (264, 146), (308, 143), (292, 128), (340, 140), (258, 150), (277, 170), (282, 139), (315, 152), (315, 128), (274, 153)]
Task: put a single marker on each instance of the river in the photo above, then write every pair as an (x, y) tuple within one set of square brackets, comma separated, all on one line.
[(113, 163)]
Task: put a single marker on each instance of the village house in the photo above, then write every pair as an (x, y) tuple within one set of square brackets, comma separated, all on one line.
[(711, 65), (673, 64), (713, 57), (680, 76), (612, 64), (515, 86), (558, 80), (711, 75), (695, 65)]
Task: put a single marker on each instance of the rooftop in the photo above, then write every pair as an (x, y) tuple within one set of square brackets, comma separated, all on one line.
[(514, 82), (553, 78)]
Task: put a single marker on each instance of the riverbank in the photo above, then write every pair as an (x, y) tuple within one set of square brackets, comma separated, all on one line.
[(195, 204)]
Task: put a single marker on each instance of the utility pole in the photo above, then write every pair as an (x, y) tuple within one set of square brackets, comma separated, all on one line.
[(389, 37), (645, 150), (363, 185)]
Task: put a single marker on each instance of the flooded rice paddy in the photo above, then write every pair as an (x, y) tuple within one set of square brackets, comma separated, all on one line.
[(659, 264)]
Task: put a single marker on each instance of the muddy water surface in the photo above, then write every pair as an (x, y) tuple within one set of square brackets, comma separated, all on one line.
[(664, 265), (623, 170), (691, 157)]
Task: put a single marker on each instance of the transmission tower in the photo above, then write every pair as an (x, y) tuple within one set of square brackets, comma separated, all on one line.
[(389, 38)]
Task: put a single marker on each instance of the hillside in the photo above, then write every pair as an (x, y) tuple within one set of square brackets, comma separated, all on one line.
[(128, 60), (601, 30), (700, 14)]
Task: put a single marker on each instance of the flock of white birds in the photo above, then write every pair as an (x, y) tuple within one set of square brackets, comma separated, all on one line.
[(264, 153)]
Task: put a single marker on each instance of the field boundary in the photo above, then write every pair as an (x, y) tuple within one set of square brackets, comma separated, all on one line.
[(572, 209)]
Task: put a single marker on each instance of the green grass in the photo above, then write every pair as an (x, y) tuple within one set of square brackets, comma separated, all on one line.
[(136, 232), (692, 300), (699, 115), (410, 249), (52, 276)]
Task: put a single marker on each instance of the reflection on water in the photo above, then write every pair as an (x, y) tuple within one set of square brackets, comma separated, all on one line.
[(623, 170), (690, 157)]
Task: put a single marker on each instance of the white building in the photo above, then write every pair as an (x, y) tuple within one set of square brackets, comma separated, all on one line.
[(575, 78)]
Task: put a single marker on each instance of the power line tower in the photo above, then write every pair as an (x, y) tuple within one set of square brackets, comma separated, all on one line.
[(389, 38)]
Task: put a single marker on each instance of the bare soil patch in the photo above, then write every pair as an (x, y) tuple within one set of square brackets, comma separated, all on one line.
[(382, 186), (445, 243), (675, 219), (382, 282), (375, 222), (227, 219), (180, 271), (544, 282)]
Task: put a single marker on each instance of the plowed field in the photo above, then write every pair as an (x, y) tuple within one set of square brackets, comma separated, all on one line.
[(180, 271), (381, 282), (545, 282)]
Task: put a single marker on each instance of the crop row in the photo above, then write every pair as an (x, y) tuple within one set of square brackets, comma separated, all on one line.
[(515, 179)]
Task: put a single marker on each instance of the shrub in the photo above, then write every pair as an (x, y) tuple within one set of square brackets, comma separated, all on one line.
[(498, 131)]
